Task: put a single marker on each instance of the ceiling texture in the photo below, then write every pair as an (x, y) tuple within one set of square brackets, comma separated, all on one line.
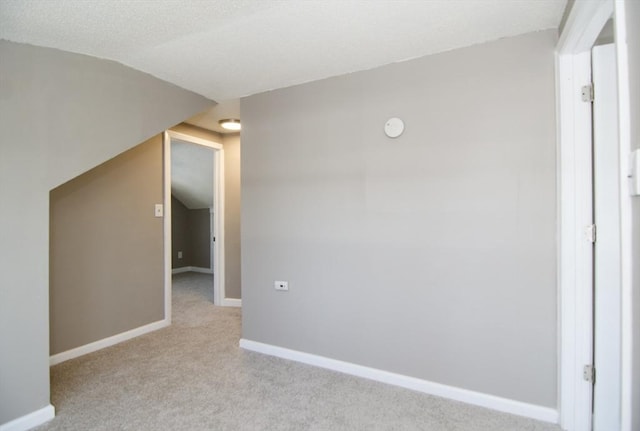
[(226, 49)]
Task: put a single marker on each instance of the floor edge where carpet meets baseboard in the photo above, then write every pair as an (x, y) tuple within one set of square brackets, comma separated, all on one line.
[(493, 402), (191, 269), (107, 342), (30, 420)]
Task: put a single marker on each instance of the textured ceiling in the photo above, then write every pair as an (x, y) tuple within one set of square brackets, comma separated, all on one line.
[(225, 49), (192, 174)]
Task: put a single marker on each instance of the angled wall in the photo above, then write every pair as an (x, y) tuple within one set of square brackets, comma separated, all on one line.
[(432, 255), (61, 114), (106, 250)]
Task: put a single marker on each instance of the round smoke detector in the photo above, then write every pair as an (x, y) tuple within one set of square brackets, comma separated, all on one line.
[(394, 127)]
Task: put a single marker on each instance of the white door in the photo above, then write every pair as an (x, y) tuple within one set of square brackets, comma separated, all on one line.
[(607, 276)]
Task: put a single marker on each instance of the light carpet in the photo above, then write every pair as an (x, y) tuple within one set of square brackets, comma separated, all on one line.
[(193, 376)]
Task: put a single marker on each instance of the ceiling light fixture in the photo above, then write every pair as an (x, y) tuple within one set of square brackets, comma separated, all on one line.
[(230, 124)]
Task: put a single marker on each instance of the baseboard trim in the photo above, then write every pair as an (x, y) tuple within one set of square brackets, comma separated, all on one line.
[(107, 342), (30, 420), (231, 302), (191, 269), (181, 270), (458, 394), (201, 270)]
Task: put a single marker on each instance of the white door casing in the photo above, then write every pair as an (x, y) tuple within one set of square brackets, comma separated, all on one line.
[(218, 208), (585, 22), (606, 191)]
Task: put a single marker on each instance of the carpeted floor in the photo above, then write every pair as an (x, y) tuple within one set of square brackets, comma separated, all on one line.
[(193, 376)]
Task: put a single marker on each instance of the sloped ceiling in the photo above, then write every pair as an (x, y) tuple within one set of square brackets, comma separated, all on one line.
[(192, 174), (225, 49)]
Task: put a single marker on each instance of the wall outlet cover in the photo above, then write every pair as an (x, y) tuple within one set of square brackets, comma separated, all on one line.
[(281, 285)]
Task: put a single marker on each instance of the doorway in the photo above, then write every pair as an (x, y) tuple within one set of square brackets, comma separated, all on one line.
[(214, 214)]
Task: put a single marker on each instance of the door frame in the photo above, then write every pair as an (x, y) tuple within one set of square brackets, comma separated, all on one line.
[(575, 210), (219, 297)]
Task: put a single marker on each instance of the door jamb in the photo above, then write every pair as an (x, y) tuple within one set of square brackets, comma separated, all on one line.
[(575, 256), (218, 207)]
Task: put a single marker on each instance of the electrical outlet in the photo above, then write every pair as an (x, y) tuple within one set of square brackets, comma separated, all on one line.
[(281, 285), (179, 255)]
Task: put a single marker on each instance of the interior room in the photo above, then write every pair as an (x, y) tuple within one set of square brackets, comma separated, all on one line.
[(426, 215)]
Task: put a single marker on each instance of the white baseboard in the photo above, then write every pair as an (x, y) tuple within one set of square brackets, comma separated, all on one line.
[(30, 420), (106, 342), (231, 302), (191, 269), (506, 405), (180, 270), (201, 270)]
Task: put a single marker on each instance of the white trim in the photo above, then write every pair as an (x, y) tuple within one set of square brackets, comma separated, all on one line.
[(585, 23), (519, 408), (191, 269), (212, 243), (30, 420), (107, 342), (180, 270), (166, 140), (626, 285), (575, 251), (231, 302), (194, 140), (218, 208)]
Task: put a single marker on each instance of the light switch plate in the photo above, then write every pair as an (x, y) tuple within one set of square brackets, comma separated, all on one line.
[(159, 211)]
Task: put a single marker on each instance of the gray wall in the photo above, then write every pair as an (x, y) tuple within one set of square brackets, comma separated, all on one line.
[(190, 233), (199, 223), (105, 252), (633, 49), (231, 144), (60, 115), (179, 234), (232, 193), (431, 255)]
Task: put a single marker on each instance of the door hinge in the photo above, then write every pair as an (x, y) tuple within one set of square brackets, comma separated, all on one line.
[(590, 233), (587, 93), (589, 373)]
